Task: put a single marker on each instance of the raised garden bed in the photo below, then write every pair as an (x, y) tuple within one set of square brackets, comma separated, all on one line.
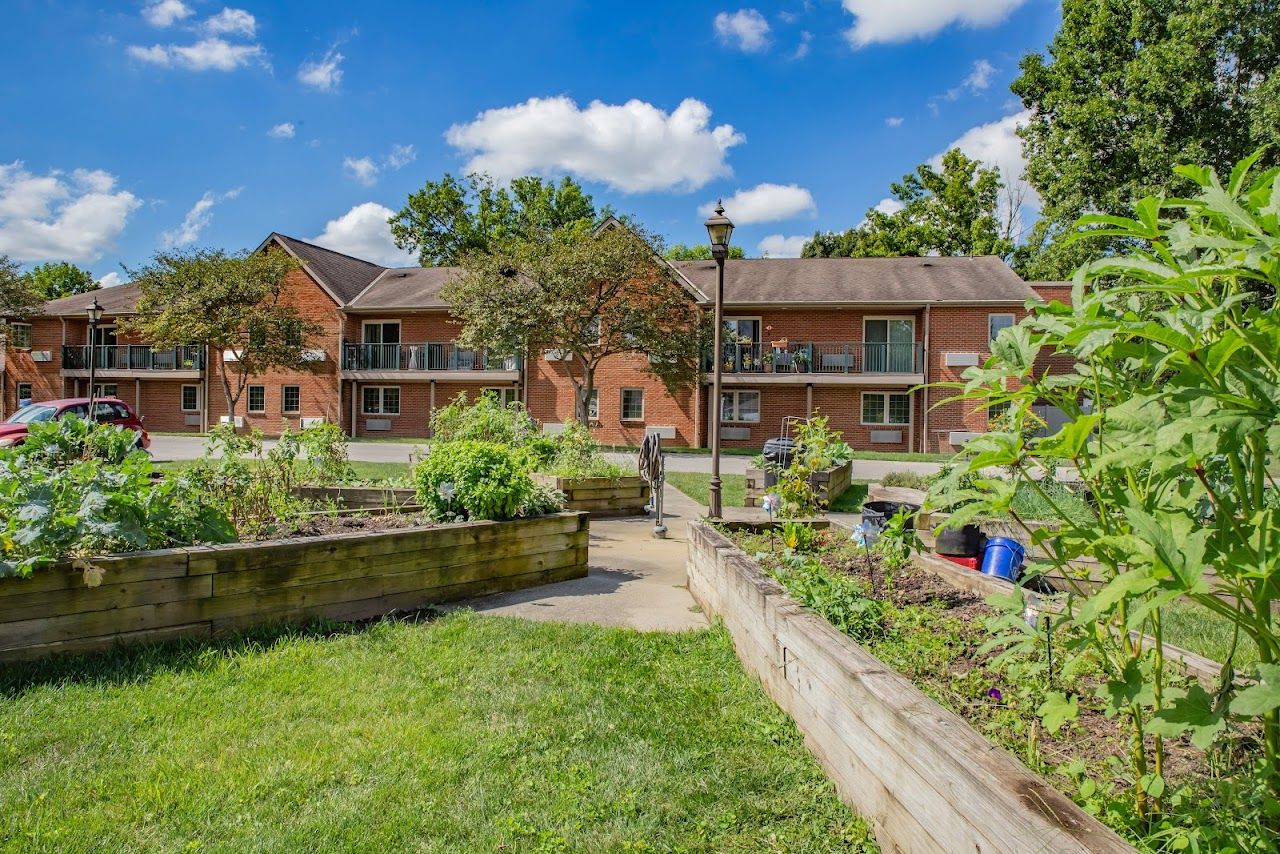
[(361, 497), (926, 779), (829, 484), (601, 496), (157, 595)]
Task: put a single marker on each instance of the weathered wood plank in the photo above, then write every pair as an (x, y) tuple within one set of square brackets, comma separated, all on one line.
[(107, 596), (104, 642), (117, 569)]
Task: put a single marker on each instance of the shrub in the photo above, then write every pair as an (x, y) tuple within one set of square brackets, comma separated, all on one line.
[(486, 420), (577, 454), (906, 479), (473, 480), (74, 490), (543, 500)]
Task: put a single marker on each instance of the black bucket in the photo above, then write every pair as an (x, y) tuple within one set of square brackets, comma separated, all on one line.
[(960, 542), (878, 513)]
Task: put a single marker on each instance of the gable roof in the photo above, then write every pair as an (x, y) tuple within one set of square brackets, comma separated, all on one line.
[(868, 281), (343, 276), (120, 299), (406, 288)]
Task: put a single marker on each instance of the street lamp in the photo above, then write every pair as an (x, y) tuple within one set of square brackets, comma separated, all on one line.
[(719, 229), (95, 314)]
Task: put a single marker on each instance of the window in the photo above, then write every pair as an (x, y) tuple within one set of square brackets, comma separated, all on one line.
[(996, 412), (889, 345), (191, 398), (107, 412), (592, 332), (506, 395), (20, 335), (106, 390), (740, 406), (257, 398), (381, 400), (883, 408), (996, 322), (593, 405), (633, 404), (382, 332), (24, 393), (290, 399)]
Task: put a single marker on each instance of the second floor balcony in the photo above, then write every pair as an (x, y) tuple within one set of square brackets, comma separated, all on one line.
[(431, 357), (108, 359), (803, 359)]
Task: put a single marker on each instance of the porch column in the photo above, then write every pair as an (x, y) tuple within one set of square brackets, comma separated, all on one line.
[(431, 406), (137, 395), (355, 397), (808, 400)]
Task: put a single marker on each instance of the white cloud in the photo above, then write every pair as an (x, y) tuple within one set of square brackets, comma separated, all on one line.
[(284, 130), (110, 280), (766, 203), (802, 49), (324, 75), (745, 29), (207, 54), (165, 13), (998, 144), (781, 246), (893, 121), (889, 205), (363, 169), (364, 233), (904, 20), (60, 216), (633, 147), (197, 219), (980, 77), (366, 169), (231, 21)]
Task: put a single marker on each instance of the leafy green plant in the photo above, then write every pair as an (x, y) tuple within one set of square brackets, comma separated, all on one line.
[(75, 490), (473, 480), (817, 448), (577, 454), (798, 536), (542, 500), (906, 479), (1174, 428), (484, 420), (897, 541)]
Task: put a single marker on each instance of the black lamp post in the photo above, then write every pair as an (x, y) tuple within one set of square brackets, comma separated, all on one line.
[(95, 315), (719, 229)]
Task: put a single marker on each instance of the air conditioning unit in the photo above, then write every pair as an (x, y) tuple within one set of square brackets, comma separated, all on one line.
[(557, 355), (226, 419), (961, 360), (886, 437), (552, 429), (230, 356), (42, 355), (316, 355), (957, 438), (310, 421), (191, 420), (377, 425), (663, 432)]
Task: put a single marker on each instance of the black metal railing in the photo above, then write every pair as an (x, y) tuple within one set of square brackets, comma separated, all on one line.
[(133, 357), (821, 357), (432, 356)]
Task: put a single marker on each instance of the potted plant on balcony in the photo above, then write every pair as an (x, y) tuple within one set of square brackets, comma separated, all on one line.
[(801, 359)]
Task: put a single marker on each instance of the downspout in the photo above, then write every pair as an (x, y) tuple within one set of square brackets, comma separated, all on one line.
[(924, 428)]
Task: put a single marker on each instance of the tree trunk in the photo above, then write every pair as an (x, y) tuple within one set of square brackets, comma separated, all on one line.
[(584, 394)]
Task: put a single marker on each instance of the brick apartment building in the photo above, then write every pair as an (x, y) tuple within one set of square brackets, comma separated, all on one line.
[(847, 338)]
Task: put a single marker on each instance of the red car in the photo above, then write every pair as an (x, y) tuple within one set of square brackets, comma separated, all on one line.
[(109, 410)]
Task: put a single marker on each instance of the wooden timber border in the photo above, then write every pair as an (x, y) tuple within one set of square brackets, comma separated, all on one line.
[(924, 778), (601, 496), (828, 484), (204, 590)]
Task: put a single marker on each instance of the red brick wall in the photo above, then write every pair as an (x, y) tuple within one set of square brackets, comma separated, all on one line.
[(414, 419), (20, 367)]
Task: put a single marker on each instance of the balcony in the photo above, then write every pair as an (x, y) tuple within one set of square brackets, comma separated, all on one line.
[(425, 361), (133, 360), (849, 362)]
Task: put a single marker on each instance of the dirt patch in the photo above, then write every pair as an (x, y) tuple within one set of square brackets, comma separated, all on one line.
[(321, 525)]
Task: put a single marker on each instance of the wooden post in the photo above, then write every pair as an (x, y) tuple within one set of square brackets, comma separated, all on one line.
[(808, 400)]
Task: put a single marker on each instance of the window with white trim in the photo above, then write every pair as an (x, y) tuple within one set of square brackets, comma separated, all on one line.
[(996, 413), (191, 398), (885, 408), (106, 390), (290, 399), (997, 322), (20, 335), (593, 404), (381, 331), (24, 393), (381, 400), (257, 399), (633, 404), (740, 407)]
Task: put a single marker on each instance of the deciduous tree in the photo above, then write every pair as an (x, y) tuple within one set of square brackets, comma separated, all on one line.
[(453, 217), (587, 295), (225, 302), (952, 211), (698, 252), (17, 298), (56, 279)]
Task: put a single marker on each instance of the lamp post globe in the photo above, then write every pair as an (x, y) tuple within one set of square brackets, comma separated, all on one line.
[(719, 231)]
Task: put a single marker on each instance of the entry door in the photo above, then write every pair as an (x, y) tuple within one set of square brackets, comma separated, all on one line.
[(104, 346), (890, 345), (382, 345)]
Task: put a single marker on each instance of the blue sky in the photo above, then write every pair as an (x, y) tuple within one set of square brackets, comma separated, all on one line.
[(130, 126)]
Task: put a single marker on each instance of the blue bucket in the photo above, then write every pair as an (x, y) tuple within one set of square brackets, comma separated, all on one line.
[(1002, 558)]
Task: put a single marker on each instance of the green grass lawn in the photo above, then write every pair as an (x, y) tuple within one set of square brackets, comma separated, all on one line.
[(469, 733), (365, 471), (733, 487)]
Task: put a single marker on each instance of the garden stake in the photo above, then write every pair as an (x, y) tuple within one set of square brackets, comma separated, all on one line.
[(1048, 642)]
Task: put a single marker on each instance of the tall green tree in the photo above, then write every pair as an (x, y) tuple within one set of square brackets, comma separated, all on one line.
[(56, 279), (228, 303), (952, 211), (1127, 90), (451, 218), (587, 296), (698, 252), (17, 298)]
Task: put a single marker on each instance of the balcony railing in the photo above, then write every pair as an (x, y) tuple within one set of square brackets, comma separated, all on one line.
[(422, 357), (133, 357), (814, 357)]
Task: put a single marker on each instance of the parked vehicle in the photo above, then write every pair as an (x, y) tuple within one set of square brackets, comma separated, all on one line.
[(108, 410)]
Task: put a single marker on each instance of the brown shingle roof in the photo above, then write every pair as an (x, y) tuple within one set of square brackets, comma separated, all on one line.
[(406, 287), (870, 281), (120, 299), (344, 276)]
